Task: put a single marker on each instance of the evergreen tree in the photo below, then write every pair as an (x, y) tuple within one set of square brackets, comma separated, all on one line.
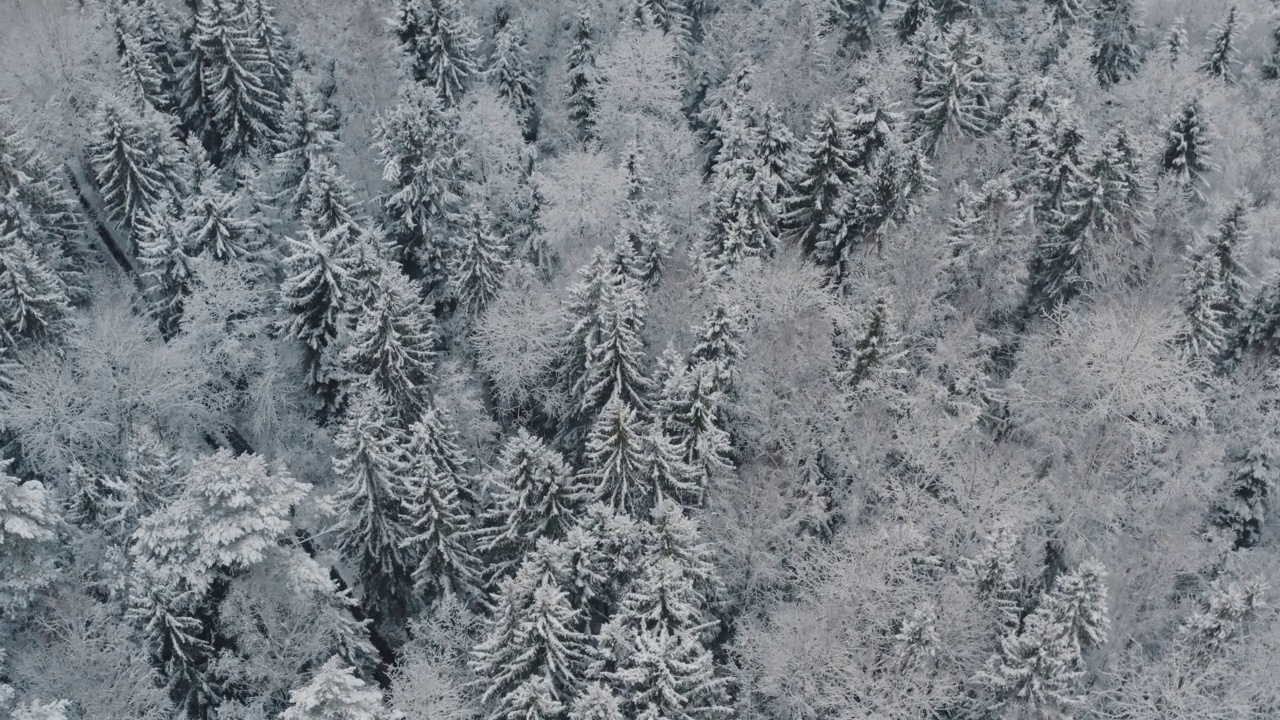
[(1271, 68), (392, 346), (313, 296), (335, 693), (1068, 12), (1226, 245), (596, 703), (141, 74), (692, 408), (1203, 296), (996, 580), (776, 148), (1187, 149), (1115, 34), (1176, 41), (583, 81), (265, 33), (214, 224), (136, 160), (644, 234), (179, 642), (615, 461), (535, 495), (907, 17), (614, 366), (422, 159), (148, 46), (33, 299), (1254, 472), (374, 524), (667, 475), (951, 11), (670, 17), (479, 262), (719, 342), (509, 71), (307, 132), (331, 208), (959, 90), (29, 533), (670, 676), (867, 353), (745, 220), (440, 43), (825, 165), (440, 523), (1230, 605), (1221, 61), (857, 21), (1259, 327), (166, 264), (532, 651), (233, 102)]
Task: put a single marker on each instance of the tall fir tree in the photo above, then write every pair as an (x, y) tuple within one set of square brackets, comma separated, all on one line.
[(440, 42), (857, 21), (1203, 296), (1187, 148), (374, 523), (615, 364), (29, 530), (33, 298), (509, 71), (215, 224), (313, 295), (335, 693), (1116, 55), (644, 233), (615, 462), (1271, 68), (1228, 245), (480, 259), (441, 525), (1254, 470), (308, 131), (824, 165), (1220, 63), (691, 407), (583, 84), (959, 87), (745, 208), (165, 260), (136, 160)]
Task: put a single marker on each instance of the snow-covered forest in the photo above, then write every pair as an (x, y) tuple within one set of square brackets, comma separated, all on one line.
[(639, 359)]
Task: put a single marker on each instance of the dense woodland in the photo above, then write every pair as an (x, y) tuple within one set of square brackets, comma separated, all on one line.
[(643, 359)]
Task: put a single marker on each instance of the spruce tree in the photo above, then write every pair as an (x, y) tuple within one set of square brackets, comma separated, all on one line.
[(509, 71), (614, 367), (959, 89), (857, 22), (136, 161), (867, 354), (331, 208), (265, 33), (1186, 154), (1176, 41), (1221, 61), (307, 132), (1116, 55), (422, 159), (479, 261), (374, 524), (28, 529), (691, 406), (441, 524), (596, 703), (583, 81), (1203, 297), (745, 201), (615, 460), (335, 693), (165, 260), (670, 676), (1227, 245), (33, 299), (313, 295), (1252, 482), (234, 101), (1271, 68), (440, 43), (147, 43), (907, 17), (825, 165), (214, 224), (392, 346), (671, 18), (1068, 12)]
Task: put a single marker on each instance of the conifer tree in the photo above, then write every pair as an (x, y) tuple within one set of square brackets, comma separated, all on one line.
[(584, 316), (745, 200), (440, 523), (1203, 297), (867, 353), (959, 90), (1259, 327), (644, 234), (951, 11), (857, 21), (148, 46), (1221, 61), (692, 410), (596, 703), (1230, 605), (1252, 482), (1176, 41), (1115, 34), (214, 224), (775, 150), (907, 17), (1186, 154), (1227, 244), (141, 74), (535, 495), (33, 299), (441, 45), (1271, 68), (307, 132), (825, 165), (670, 17), (179, 642), (136, 161), (392, 346), (28, 530), (165, 258), (422, 160), (509, 71), (583, 81), (667, 475), (335, 693), (313, 296), (374, 524), (1068, 12), (615, 461), (532, 653), (615, 364), (670, 676), (265, 33), (996, 580), (719, 342), (479, 261), (234, 101)]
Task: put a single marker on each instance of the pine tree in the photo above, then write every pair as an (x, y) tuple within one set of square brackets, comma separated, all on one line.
[(535, 495), (959, 86), (614, 367), (584, 314), (644, 237), (422, 159), (265, 33), (1227, 244), (440, 523), (583, 81), (1187, 149), (1254, 472), (596, 703), (907, 17), (531, 648), (867, 353), (234, 101), (33, 299), (825, 165), (1176, 41), (214, 224), (745, 219), (615, 462), (29, 533), (1203, 296), (479, 261), (857, 21), (1230, 605), (166, 264), (1221, 61), (1116, 56), (692, 408), (374, 524), (136, 161), (335, 693), (392, 346), (509, 71), (440, 43), (307, 132)]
